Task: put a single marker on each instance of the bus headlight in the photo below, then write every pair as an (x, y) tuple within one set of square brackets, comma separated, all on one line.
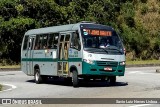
[(122, 63), (88, 61)]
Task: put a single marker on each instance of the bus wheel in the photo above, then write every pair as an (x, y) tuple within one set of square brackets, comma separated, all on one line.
[(75, 78), (112, 80), (37, 77)]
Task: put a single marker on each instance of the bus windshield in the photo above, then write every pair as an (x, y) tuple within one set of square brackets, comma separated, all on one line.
[(101, 41)]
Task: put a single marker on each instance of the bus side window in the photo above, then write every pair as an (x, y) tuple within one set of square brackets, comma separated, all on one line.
[(44, 42), (25, 43), (37, 43), (32, 45), (75, 41), (52, 41), (29, 45), (40, 42), (56, 40)]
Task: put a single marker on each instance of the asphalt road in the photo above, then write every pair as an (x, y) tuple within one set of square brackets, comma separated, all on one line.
[(142, 82)]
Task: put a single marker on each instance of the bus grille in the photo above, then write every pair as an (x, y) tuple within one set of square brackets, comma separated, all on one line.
[(107, 63)]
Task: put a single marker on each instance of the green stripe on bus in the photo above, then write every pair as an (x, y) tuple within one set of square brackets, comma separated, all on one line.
[(50, 59), (74, 59), (39, 59)]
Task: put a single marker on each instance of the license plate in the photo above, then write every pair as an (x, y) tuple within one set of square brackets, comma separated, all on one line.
[(108, 69)]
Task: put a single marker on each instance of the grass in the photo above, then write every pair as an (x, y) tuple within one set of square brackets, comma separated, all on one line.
[(142, 62), (0, 87), (10, 66)]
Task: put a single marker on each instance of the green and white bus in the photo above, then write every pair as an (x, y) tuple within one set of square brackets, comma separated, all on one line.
[(79, 51)]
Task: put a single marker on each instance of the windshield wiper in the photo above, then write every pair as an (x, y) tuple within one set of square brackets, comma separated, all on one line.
[(114, 48), (96, 50), (104, 50)]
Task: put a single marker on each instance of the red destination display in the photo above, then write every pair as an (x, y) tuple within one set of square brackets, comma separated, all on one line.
[(99, 32)]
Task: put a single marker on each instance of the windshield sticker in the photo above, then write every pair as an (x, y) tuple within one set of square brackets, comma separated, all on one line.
[(70, 51), (85, 33)]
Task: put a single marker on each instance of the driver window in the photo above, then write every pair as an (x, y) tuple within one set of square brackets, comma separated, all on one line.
[(75, 41)]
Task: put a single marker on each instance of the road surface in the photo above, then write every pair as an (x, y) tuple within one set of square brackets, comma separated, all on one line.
[(141, 82)]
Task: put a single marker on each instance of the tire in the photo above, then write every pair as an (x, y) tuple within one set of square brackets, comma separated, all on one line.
[(37, 77), (75, 78), (112, 80)]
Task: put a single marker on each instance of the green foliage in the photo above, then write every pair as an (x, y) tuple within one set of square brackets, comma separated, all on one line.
[(0, 87), (11, 33), (18, 16), (144, 9)]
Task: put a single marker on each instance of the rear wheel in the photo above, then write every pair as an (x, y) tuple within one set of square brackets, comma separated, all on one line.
[(75, 78), (37, 77), (112, 80)]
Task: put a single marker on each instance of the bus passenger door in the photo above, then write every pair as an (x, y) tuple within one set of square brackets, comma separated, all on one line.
[(63, 66), (29, 56)]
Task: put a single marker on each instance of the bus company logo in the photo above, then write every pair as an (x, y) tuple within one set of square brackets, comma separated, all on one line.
[(6, 101), (70, 51)]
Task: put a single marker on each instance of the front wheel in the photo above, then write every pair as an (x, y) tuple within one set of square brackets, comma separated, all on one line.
[(75, 78), (37, 77)]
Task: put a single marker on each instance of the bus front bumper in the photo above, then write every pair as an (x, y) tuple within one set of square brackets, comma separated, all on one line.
[(94, 69)]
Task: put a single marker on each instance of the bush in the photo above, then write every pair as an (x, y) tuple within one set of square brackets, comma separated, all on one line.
[(0, 87), (144, 1), (144, 9)]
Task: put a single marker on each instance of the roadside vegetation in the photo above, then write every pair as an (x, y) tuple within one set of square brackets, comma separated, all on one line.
[(137, 22), (0, 87), (10, 66), (143, 62)]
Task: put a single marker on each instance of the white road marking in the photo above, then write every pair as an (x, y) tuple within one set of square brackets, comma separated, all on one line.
[(142, 72), (133, 72), (141, 105), (10, 85)]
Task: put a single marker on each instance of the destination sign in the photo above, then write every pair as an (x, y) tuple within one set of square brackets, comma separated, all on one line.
[(97, 32)]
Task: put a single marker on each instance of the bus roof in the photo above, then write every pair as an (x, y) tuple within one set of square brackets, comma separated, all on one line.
[(61, 28), (51, 29)]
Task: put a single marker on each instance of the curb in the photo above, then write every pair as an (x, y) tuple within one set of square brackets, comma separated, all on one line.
[(7, 87)]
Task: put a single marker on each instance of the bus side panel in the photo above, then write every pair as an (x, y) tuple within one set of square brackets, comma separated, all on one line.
[(46, 60), (47, 68), (78, 66), (27, 53), (75, 59), (23, 53)]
